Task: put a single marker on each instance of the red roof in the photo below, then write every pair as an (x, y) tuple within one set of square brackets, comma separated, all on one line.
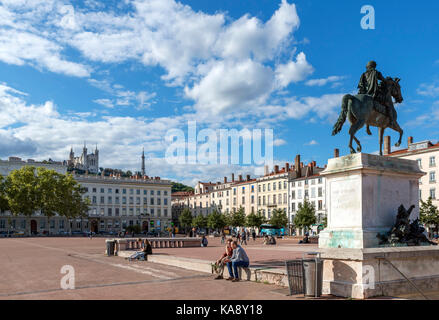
[(402, 151)]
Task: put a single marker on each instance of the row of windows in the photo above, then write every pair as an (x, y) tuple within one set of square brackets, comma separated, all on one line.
[(313, 193), (307, 182), (432, 193), (130, 211), (22, 224), (124, 191), (432, 162), (131, 200), (318, 205), (276, 200)]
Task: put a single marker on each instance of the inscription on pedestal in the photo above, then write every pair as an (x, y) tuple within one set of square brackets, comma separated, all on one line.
[(345, 203)]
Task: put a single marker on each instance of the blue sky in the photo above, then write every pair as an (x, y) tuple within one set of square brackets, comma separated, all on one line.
[(121, 73)]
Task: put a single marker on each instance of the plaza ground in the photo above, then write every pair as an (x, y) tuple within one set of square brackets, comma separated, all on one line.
[(31, 270)]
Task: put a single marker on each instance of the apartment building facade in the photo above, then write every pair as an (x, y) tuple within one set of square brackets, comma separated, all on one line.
[(427, 155), (117, 203), (262, 194)]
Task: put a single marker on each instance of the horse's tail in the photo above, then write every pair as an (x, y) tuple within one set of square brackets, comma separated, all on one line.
[(342, 118)]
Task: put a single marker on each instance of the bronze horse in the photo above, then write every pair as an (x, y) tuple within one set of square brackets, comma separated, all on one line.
[(362, 109)]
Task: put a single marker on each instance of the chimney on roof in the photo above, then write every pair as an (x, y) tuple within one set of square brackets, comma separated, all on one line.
[(266, 172), (387, 149), (336, 153), (240, 178), (276, 169), (248, 177), (297, 166), (314, 164), (225, 179), (233, 177), (287, 167), (409, 141), (301, 164)]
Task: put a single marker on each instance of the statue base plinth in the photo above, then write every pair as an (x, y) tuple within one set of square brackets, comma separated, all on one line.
[(362, 273), (363, 193)]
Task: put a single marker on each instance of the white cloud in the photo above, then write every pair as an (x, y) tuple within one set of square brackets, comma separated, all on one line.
[(428, 90), (207, 54), (293, 71), (279, 142), (232, 86), (105, 102), (21, 48), (312, 143), (324, 81)]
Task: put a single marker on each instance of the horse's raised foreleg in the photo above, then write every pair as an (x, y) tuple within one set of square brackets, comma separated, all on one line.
[(397, 128)]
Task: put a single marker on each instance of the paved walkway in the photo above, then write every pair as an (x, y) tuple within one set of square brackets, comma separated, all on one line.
[(260, 255), (31, 270)]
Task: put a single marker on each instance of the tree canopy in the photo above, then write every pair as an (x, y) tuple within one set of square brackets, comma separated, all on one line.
[(238, 218), (279, 218), (306, 215), (199, 221), (429, 214), (185, 218), (216, 220), (28, 190), (254, 220)]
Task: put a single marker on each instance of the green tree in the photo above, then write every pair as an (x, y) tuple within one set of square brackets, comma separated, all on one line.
[(254, 220), (21, 189), (216, 220), (238, 218), (135, 228), (3, 199), (48, 185), (279, 218), (429, 214), (306, 215), (176, 187), (199, 221), (325, 221), (185, 219)]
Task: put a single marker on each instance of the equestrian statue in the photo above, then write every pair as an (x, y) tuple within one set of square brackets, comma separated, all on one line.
[(372, 106)]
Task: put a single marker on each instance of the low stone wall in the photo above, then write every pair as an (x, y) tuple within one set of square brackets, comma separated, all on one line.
[(275, 276), (362, 273), (134, 244)]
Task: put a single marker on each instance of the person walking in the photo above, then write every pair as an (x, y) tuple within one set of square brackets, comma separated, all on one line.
[(254, 235), (223, 237), (244, 238)]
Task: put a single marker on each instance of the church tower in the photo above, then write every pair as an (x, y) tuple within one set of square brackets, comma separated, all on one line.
[(84, 155), (143, 162), (72, 155)]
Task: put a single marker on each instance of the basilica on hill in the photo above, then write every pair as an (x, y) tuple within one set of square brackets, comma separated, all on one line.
[(86, 162)]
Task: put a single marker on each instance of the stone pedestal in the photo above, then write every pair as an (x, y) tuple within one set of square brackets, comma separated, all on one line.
[(363, 273), (363, 193)]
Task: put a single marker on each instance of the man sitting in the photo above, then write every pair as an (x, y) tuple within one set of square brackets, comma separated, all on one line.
[(305, 240), (218, 267), (204, 241), (238, 259)]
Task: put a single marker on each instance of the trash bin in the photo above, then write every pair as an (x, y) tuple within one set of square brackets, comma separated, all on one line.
[(110, 247), (313, 276)]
